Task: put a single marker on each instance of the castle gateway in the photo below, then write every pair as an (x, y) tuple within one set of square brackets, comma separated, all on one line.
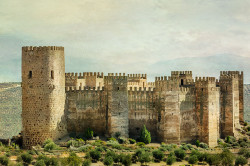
[(175, 109)]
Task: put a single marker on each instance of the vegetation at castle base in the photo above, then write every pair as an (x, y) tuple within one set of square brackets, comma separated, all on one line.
[(120, 151)]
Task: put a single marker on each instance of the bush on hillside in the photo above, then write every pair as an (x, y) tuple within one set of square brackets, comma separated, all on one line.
[(240, 160), (4, 160), (180, 154), (170, 160), (158, 155), (192, 159), (108, 160)]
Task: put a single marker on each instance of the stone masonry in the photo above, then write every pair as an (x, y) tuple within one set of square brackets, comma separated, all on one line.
[(175, 109)]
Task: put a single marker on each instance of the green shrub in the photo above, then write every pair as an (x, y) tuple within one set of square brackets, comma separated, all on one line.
[(108, 160), (145, 157), (47, 142), (52, 162), (122, 140), (192, 159), (158, 155), (86, 162), (117, 134), (74, 160), (197, 143), (50, 146), (140, 144), (138, 152), (89, 133), (145, 135), (40, 163), (180, 154), (243, 151), (127, 160), (170, 160), (112, 139), (201, 156), (26, 158), (131, 141), (213, 159), (203, 145), (245, 123), (75, 143), (227, 157), (240, 160), (4, 160), (95, 155)]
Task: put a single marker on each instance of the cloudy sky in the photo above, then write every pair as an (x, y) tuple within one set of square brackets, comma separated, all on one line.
[(132, 36)]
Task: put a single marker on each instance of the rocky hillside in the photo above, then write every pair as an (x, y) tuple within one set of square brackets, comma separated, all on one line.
[(10, 108), (247, 102)]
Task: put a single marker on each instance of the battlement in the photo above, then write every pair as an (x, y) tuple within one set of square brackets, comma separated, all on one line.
[(165, 78), (186, 89), (181, 72), (139, 76), (151, 83), (228, 76), (140, 89), (80, 88), (231, 72), (204, 79), (118, 76), (40, 48), (85, 74)]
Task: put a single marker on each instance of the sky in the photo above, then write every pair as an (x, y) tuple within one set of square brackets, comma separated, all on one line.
[(131, 36)]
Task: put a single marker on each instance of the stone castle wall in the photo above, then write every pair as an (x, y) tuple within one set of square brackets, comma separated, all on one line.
[(174, 109)]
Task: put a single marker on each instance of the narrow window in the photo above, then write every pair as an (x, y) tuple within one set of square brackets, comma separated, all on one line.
[(182, 82), (52, 74), (118, 88), (30, 74)]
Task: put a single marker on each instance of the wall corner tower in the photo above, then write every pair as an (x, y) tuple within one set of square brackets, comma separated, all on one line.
[(43, 94)]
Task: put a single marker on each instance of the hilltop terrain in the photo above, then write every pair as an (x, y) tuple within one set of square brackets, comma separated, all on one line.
[(10, 108)]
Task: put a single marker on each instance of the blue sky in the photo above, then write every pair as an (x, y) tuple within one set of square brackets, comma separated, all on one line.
[(132, 36)]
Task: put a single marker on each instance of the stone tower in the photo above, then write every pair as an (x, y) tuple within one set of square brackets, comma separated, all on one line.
[(167, 101), (207, 109), (230, 103), (43, 94), (116, 87)]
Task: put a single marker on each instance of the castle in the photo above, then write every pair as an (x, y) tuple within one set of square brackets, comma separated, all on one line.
[(175, 109)]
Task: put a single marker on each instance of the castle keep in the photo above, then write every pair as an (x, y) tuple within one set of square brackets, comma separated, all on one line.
[(175, 109)]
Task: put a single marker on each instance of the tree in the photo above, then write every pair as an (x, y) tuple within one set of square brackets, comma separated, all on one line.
[(145, 135), (89, 133)]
